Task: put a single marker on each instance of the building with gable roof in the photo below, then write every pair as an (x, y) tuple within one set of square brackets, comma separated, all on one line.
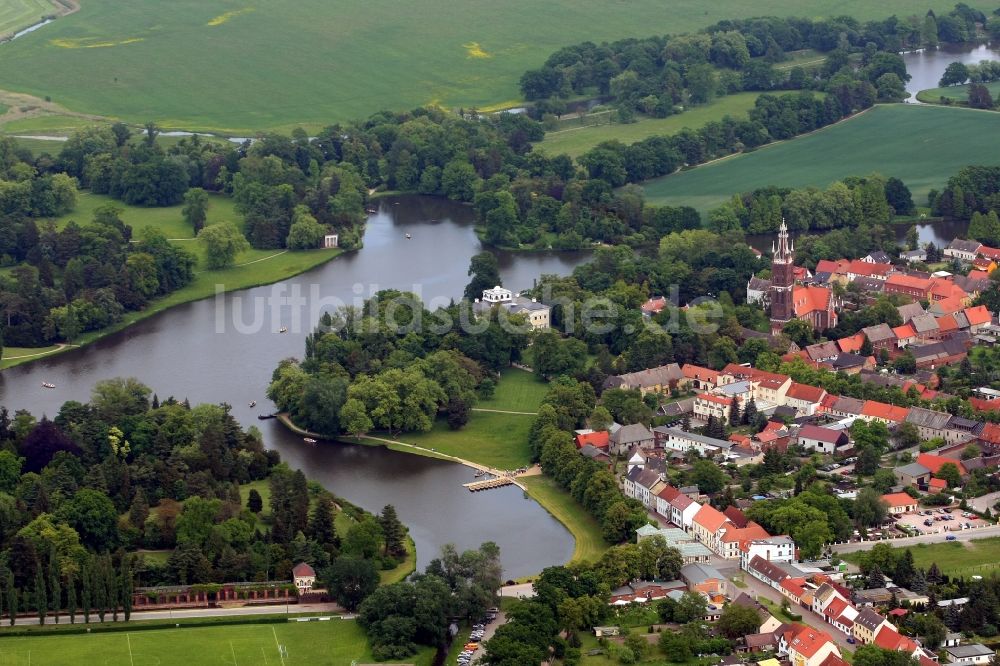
[(811, 647)]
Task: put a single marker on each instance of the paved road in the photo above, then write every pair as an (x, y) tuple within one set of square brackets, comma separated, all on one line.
[(960, 535), (184, 613), (756, 589), (520, 591), (985, 502)]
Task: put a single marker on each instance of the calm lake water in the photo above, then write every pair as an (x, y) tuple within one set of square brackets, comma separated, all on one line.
[(926, 66), (196, 351)]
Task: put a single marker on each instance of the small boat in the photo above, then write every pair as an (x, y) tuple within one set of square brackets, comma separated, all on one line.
[(264, 417), (253, 403), (408, 236), (309, 440), (48, 385), (283, 329), (480, 473)]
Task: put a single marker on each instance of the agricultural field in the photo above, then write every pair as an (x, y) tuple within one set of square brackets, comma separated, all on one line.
[(19, 14), (234, 66), (334, 642), (959, 558), (575, 139), (956, 93), (921, 145)]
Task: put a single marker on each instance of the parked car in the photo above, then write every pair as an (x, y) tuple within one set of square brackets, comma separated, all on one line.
[(950, 537)]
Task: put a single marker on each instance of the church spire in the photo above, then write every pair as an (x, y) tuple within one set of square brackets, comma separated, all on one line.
[(783, 253)]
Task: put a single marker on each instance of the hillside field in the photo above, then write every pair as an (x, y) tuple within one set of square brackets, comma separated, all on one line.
[(235, 66), (335, 642), (921, 145)]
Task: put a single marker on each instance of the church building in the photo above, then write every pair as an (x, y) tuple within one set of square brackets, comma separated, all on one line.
[(814, 304)]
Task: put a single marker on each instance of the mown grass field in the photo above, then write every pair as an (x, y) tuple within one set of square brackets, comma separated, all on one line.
[(575, 141), (921, 145), (956, 93), (518, 391), (956, 558), (19, 14), (233, 65), (334, 642), (496, 440)]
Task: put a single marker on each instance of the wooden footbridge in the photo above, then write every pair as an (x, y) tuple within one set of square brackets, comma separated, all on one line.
[(486, 484)]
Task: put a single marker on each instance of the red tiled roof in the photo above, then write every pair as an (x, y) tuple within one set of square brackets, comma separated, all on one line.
[(978, 315), (596, 439), (984, 405), (898, 499), (805, 393), (950, 305), (889, 639), (303, 569), (851, 343), (947, 323), (905, 331), (735, 515), (692, 371), (827, 266), (835, 608), (654, 305), (718, 399), (794, 585), (977, 275), (991, 433), (809, 641), (938, 483), (989, 252), (933, 463), (909, 281), (710, 518), (810, 299), (880, 410)]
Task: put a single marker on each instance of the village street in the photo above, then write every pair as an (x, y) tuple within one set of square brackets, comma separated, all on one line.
[(755, 588)]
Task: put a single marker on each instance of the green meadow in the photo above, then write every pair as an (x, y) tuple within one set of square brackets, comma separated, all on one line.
[(19, 14), (954, 93), (575, 137), (235, 66), (921, 145), (334, 642)]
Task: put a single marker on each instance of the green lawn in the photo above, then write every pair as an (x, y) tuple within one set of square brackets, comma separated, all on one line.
[(16, 15), (956, 93), (47, 124), (169, 220), (575, 141), (590, 544), (496, 440), (13, 355), (518, 391), (335, 642), (231, 65), (955, 558), (39, 146), (921, 145)]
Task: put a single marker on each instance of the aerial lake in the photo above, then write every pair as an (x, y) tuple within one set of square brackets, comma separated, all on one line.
[(188, 351)]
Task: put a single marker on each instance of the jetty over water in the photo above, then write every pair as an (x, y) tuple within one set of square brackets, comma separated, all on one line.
[(486, 484)]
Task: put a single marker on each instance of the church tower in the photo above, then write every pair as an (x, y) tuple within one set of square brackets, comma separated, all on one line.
[(782, 279)]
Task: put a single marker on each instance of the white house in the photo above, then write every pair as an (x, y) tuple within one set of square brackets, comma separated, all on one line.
[(975, 653), (772, 549), (678, 440), (304, 577)]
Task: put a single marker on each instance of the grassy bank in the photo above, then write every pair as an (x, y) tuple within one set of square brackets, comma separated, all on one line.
[(921, 145), (954, 93), (590, 544), (143, 61), (576, 140)]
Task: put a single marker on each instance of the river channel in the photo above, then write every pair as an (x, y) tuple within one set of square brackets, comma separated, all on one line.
[(196, 351)]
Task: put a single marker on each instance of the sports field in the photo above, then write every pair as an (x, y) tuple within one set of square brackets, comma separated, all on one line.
[(921, 145), (575, 139), (235, 65), (334, 642)]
